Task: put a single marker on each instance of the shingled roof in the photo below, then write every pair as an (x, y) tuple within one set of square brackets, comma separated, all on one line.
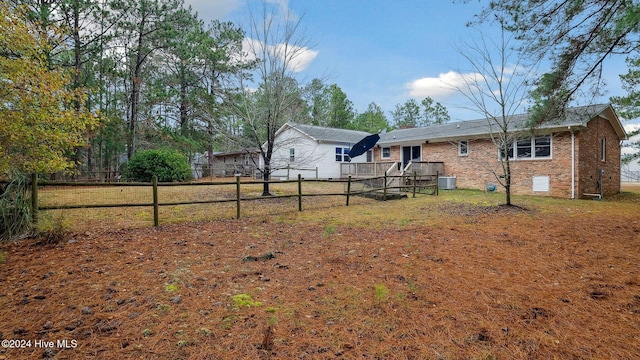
[(575, 117), (325, 134)]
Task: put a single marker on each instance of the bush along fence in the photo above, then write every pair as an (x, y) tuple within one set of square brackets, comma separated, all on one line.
[(377, 187)]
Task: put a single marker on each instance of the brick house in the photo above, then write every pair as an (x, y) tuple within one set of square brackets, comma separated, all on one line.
[(243, 162), (578, 156)]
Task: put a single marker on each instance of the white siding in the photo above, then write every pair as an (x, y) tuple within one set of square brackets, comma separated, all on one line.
[(309, 154), (631, 170)]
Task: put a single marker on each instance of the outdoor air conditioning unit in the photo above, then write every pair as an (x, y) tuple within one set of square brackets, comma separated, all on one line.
[(447, 182)]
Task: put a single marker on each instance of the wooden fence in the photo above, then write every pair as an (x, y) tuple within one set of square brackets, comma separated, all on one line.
[(413, 184)]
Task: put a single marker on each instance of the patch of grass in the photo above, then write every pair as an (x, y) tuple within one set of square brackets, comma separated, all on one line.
[(329, 230), (227, 322), (381, 293), (163, 308), (244, 300), (171, 287), (1, 257), (54, 228)]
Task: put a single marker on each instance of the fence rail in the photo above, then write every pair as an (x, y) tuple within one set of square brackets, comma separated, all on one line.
[(353, 187)]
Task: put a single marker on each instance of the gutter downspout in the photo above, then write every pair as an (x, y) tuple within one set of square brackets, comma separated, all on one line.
[(573, 165)]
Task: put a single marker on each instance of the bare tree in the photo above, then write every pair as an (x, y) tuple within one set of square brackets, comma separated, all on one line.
[(276, 41), (498, 88)]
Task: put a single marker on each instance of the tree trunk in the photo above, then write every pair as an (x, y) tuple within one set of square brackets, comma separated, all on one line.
[(507, 183), (265, 177), (183, 109)]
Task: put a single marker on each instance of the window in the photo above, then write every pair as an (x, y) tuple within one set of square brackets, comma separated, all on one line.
[(542, 146), (463, 148), (386, 152), (342, 154), (538, 147), (523, 149), (603, 149), (292, 155)]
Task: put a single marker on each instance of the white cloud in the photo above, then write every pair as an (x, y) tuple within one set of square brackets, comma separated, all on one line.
[(631, 127), (302, 57), (445, 85), (298, 60)]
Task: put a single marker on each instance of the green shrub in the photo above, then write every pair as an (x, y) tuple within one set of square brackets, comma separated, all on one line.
[(53, 229), (15, 208), (167, 165)]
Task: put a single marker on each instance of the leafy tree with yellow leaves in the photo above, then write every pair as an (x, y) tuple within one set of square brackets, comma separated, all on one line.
[(39, 125)]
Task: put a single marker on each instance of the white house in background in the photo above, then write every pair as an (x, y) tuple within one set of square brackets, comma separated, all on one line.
[(631, 170), (313, 151)]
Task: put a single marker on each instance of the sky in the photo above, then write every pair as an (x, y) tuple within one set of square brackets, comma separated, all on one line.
[(387, 51)]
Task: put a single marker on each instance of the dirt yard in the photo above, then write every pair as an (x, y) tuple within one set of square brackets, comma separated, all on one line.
[(452, 277)]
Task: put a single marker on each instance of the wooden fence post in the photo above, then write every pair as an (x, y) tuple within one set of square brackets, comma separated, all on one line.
[(437, 182), (348, 189), (34, 198), (156, 215), (385, 187), (299, 192), (415, 177), (237, 197)]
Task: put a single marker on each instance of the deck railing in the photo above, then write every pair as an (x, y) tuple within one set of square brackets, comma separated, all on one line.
[(365, 170), (424, 168)]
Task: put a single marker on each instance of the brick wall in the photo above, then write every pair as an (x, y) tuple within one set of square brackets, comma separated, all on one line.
[(590, 158), (476, 169), (395, 154)]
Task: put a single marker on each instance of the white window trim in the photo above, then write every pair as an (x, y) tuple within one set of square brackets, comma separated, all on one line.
[(460, 153), (344, 154), (533, 152), (603, 149), (382, 152)]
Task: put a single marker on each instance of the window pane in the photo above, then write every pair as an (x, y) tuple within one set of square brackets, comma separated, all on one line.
[(509, 151), (543, 146), (386, 152), (346, 154), (523, 149), (462, 147), (415, 153)]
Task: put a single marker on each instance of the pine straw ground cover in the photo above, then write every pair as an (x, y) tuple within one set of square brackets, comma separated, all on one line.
[(452, 277)]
